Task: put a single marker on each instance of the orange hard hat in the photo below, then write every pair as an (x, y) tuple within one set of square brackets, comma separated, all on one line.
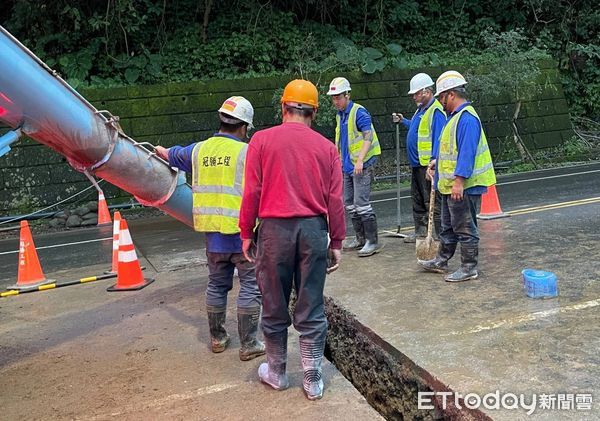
[(301, 91)]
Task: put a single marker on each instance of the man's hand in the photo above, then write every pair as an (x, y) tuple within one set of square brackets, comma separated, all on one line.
[(162, 152), (334, 257), (358, 167), (457, 188), (431, 170), (397, 117), (247, 249)]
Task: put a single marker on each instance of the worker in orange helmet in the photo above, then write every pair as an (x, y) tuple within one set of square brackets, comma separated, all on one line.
[(294, 188)]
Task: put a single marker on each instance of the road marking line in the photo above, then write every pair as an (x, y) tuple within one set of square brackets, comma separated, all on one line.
[(507, 183), (559, 205), (60, 245), (157, 403), (547, 178), (526, 318), (518, 212), (391, 198)]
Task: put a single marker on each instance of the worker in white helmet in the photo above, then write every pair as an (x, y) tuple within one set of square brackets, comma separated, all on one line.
[(358, 145), (463, 170), (217, 167), (424, 129)]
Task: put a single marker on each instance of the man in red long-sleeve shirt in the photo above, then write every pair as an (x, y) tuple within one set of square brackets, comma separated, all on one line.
[(293, 185)]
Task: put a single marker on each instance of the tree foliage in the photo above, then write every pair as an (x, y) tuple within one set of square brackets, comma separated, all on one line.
[(115, 42)]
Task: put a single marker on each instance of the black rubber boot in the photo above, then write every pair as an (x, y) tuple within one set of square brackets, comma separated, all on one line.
[(312, 357), (372, 245), (219, 339), (358, 241), (420, 230), (251, 347), (273, 372), (467, 269), (440, 263)]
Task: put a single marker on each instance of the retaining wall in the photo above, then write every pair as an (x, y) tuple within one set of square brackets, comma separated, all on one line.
[(179, 113)]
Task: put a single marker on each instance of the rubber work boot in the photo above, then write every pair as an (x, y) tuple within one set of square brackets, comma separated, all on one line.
[(312, 357), (219, 339), (358, 241), (420, 232), (411, 238), (273, 372), (372, 245), (250, 347), (467, 269), (439, 264)]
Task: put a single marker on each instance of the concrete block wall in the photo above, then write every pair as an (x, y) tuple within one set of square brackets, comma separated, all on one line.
[(181, 113)]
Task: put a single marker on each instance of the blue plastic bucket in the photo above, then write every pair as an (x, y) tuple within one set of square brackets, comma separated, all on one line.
[(539, 283)]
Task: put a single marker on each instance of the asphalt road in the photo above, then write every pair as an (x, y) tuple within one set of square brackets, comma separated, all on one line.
[(160, 239)]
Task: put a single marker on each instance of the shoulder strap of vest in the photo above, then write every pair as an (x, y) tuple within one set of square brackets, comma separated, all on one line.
[(456, 117), (354, 110), (469, 109), (435, 105)]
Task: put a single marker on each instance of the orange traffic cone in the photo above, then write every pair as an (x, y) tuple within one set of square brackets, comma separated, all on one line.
[(103, 213), (115, 244), (129, 272), (30, 272), (490, 205)]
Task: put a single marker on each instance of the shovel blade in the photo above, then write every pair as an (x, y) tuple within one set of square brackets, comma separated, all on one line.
[(426, 248)]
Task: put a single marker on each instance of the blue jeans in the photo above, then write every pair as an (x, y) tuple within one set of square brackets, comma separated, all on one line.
[(357, 193), (459, 220), (220, 280)]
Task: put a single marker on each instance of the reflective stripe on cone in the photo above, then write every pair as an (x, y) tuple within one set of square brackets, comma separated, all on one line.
[(129, 272)]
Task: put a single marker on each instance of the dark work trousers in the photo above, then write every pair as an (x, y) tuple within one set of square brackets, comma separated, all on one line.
[(293, 251), (459, 220), (420, 191), (220, 280), (357, 193)]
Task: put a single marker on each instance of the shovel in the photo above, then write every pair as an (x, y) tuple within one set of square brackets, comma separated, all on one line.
[(427, 248)]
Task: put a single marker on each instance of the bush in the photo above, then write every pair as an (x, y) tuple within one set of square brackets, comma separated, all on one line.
[(152, 41)]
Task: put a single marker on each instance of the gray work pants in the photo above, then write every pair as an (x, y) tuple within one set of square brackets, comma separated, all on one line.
[(220, 280), (357, 193), (293, 252)]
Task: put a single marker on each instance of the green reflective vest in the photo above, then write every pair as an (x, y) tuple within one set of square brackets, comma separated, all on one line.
[(217, 184), (483, 169), (355, 137), (424, 142)]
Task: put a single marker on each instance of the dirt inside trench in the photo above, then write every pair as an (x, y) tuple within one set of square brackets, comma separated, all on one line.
[(388, 379)]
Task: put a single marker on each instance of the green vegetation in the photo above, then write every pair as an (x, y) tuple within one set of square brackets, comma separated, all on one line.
[(120, 42), (513, 68), (573, 151)]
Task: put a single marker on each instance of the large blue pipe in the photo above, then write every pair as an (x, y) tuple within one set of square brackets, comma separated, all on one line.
[(36, 100)]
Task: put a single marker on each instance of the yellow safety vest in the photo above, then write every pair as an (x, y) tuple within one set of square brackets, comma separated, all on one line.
[(483, 170), (217, 184), (424, 142), (355, 137)]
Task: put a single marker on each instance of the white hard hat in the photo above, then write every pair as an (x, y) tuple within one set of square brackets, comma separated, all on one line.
[(339, 85), (420, 81), (239, 108), (449, 80)]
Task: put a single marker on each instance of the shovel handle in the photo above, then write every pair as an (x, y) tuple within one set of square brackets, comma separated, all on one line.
[(431, 207)]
